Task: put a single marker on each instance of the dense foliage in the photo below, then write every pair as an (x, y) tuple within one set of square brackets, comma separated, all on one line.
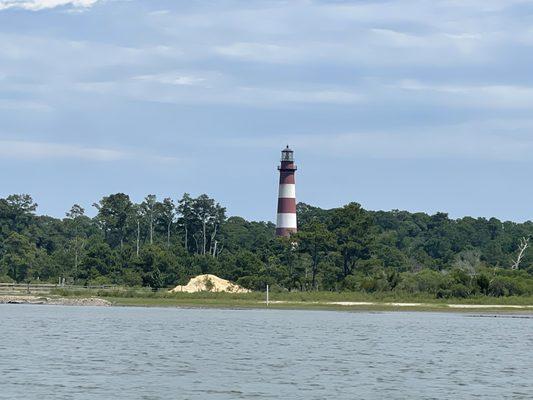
[(163, 243)]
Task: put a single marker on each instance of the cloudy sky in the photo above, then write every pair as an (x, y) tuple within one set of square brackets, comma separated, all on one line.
[(411, 104)]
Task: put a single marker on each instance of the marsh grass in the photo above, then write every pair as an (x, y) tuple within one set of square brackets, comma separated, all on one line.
[(143, 296)]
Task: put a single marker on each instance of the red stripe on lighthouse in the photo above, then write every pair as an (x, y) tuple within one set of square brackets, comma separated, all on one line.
[(287, 205), (286, 176), (285, 231)]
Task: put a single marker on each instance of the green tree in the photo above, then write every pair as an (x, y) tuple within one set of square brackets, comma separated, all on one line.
[(19, 257), (166, 213), (316, 240), (112, 217), (99, 261), (75, 216), (149, 208), (155, 279), (186, 219), (210, 216), (16, 212), (351, 226)]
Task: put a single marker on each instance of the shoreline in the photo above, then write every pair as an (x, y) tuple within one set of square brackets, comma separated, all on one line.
[(54, 300), (361, 306)]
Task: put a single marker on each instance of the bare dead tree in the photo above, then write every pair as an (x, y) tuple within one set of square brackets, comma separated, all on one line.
[(219, 250), (214, 253), (213, 242), (148, 207), (522, 247), (138, 237), (195, 237)]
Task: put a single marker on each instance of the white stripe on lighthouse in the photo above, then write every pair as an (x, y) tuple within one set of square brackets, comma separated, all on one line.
[(287, 190), (286, 220)]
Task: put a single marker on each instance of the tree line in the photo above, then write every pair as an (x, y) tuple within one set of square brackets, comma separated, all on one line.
[(163, 242)]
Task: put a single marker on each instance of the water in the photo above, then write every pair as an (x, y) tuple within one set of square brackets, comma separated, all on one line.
[(53, 352)]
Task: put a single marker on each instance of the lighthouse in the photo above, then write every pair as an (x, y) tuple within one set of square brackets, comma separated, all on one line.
[(286, 221)]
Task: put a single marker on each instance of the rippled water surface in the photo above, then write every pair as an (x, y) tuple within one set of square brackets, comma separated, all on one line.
[(53, 352)]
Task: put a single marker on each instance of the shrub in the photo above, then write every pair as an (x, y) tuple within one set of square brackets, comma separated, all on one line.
[(459, 290)]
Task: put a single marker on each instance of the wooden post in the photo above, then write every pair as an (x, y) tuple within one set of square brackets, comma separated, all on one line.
[(267, 299)]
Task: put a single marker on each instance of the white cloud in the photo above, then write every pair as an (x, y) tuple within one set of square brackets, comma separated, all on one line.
[(373, 47), (31, 150), (23, 105), (260, 52), (490, 96), (222, 92), (399, 39), (432, 144), (486, 140), (171, 79), (159, 12), (276, 96), (37, 5)]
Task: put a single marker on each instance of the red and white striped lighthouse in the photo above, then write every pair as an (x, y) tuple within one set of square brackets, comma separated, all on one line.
[(286, 221)]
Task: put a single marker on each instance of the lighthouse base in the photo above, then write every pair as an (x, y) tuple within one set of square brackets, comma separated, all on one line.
[(285, 231)]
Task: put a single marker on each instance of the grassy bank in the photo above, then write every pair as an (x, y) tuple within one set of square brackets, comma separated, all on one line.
[(298, 300)]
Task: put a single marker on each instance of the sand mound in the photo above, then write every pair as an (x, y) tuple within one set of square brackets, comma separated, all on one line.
[(209, 283)]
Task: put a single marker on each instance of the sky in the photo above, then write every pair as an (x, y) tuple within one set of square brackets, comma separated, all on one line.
[(422, 105)]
